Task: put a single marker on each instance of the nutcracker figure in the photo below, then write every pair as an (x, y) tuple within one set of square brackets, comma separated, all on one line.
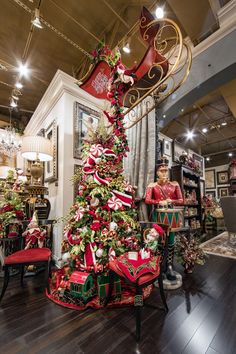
[(164, 196)]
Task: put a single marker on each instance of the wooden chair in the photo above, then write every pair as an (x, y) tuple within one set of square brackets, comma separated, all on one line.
[(141, 282), (22, 258)]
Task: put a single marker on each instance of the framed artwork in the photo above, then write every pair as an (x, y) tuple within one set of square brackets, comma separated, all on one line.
[(84, 118), (178, 150), (199, 161), (166, 148), (76, 181), (223, 192), (51, 168), (222, 177), (212, 193), (210, 181)]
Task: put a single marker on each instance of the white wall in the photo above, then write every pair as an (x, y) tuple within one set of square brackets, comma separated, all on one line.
[(58, 104)]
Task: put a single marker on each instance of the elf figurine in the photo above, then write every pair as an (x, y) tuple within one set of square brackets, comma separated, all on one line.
[(33, 234)]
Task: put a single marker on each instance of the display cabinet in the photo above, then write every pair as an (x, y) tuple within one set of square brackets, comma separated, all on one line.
[(189, 182)]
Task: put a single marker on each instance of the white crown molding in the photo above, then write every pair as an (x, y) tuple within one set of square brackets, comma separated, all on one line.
[(60, 84)]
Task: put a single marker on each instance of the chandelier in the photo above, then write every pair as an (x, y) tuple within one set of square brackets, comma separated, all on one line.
[(10, 142)]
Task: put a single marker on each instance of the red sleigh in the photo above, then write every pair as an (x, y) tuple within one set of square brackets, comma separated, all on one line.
[(152, 68)]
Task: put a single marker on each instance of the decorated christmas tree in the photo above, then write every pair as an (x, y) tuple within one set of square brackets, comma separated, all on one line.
[(102, 223)]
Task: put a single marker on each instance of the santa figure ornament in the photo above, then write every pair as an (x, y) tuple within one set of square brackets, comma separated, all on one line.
[(33, 234)]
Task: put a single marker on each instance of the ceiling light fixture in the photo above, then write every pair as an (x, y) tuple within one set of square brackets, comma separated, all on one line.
[(230, 154), (204, 130), (126, 48), (182, 109), (159, 12), (23, 69), (164, 115), (36, 20), (13, 103), (224, 123), (18, 85), (208, 158), (190, 134), (10, 142)]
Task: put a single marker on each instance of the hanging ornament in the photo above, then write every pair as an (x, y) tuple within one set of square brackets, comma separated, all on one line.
[(113, 226), (96, 150), (79, 213), (65, 257), (114, 203), (99, 252), (94, 202)]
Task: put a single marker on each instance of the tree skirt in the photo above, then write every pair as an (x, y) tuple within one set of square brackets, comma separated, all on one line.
[(69, 301), (219, 246)]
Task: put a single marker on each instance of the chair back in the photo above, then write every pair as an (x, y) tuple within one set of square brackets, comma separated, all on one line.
[(229, 210)]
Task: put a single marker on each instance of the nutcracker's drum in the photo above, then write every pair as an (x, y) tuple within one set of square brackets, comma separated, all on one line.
[(171, 217)]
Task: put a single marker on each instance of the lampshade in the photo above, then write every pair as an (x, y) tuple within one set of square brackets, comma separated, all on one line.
[(36, 147)]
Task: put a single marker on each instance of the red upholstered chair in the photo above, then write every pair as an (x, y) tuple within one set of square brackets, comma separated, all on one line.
[(22, 258), (117, 267)]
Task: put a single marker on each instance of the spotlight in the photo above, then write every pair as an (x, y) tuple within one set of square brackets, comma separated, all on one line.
[(204, 130), (126, 48), (159, 12), (224, 123), (13, 103), (36, 20), (190, 134), (230, 154), (164, 115), (182, 109), (18, 85), (23, 69), (208, 158)]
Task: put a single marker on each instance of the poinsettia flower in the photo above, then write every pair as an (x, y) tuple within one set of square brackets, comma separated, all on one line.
[(96, 225)]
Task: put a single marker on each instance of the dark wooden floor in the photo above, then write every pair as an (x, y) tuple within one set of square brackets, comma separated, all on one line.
[(202, 319)]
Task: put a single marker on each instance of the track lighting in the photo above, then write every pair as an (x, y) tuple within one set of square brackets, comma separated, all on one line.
[(126, 48), (230, 154), (13, 102), (159, 12), (204, 130), (18, 85), (23, 69), (208, 158), (190, 134), (224, 123), (36, 20)]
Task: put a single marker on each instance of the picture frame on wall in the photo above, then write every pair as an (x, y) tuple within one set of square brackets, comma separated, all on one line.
[(178, 150), (199, 161), (84, 118), (167, 148), (212, 193), (210, 181), (222, 177), (223, 192), (51, 167)]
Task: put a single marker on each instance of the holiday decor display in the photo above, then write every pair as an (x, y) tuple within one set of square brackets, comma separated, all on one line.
[(189, 253), (102, 223), (34, 235), (11, 213)]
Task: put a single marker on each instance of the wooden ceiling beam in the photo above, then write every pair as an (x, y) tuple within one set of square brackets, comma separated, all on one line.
[(219, 152), (220, 141)]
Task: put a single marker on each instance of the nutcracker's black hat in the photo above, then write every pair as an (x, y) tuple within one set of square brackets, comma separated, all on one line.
[(162, 162)]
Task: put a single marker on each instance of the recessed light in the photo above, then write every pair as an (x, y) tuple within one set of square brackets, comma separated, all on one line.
[(224, 123), (204, 130), (182, 109), (230, 154), (164, 115), (208, 158)]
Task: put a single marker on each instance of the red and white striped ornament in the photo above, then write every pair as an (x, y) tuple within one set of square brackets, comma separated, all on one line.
[(79, 213), (114, 203), (96, 150)]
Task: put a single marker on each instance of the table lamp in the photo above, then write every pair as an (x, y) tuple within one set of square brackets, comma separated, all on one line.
[(37, 149)]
